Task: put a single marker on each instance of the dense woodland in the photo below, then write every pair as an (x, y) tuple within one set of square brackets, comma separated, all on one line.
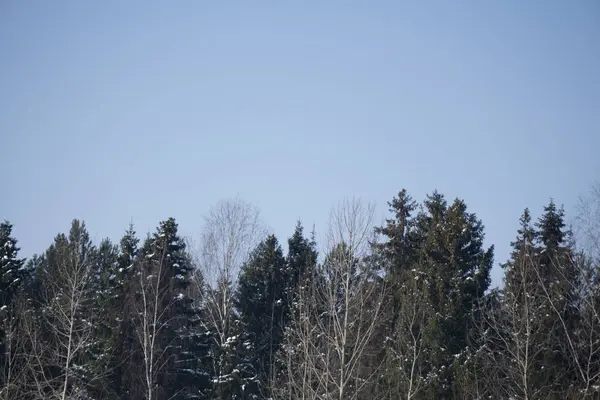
[(399, 311)]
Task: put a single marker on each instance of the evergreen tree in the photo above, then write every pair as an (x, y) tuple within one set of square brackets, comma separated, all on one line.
[(197, 346), (260, 300), (558, 278), (301, 260), (11, 266), (104, 313), (397, 252), (164, 312), (12, 274), (540, 298), (396, 256), (124, 290), (443, 246), (522, 247), (457, 266)]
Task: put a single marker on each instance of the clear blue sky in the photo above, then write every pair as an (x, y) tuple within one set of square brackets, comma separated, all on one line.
[(120, 110)]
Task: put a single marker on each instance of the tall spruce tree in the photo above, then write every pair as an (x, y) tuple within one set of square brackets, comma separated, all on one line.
[(123, 374), (104, 313), (164, 312), (301, 259), (197, 345), (522, 247), (558, 278), (539, 304), (12, 275), (396, 256), (443, 247), (11, 266), (457, 266), (397, 252), (260, 300)]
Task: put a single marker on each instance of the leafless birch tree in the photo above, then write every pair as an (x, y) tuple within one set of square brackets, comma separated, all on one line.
[(406, 346), (151, 311), (517, 335), (59, 336), (15, 368), (336, 318), (232, 229)]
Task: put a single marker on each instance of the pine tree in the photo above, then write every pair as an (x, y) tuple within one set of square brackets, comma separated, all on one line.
[(301, 260), (396, 256), (458, 266), (11, 266), (558, 279), (163, 312), (539, 305), (197, 346), (397, 253), (12, 275), (123, 372), (522, 247), (261, 298), (442, 247), (104, 312)]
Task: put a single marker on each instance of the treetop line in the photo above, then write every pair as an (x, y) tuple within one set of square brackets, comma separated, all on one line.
[(398, 311)]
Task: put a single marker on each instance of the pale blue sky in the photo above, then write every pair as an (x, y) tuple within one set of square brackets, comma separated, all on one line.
[(120, 110)]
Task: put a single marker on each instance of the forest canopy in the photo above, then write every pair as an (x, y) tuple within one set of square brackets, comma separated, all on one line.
[(399, 311)]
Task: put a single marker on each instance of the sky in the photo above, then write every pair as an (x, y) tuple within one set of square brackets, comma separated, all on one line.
[(120, 111)]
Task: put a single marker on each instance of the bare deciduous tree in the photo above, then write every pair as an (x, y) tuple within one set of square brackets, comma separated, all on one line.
[(407, 351), (232, 228), (530, 321), (587, 222), (336, 317), (14, 370), (151, 311), (59, 336), (580, 274)]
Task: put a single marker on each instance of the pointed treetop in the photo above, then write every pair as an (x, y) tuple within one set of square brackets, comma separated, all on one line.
[(11, 267), (551, 226)]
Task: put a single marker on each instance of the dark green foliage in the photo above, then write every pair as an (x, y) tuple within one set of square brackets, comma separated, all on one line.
[(558, 276), (163, 311), (122, 286), (266, 290), (11, 266), (106, 321), (262, 293), (196, 345), (105, 314), (398, 251), (442, 245), (12, 276), (301, 259)]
